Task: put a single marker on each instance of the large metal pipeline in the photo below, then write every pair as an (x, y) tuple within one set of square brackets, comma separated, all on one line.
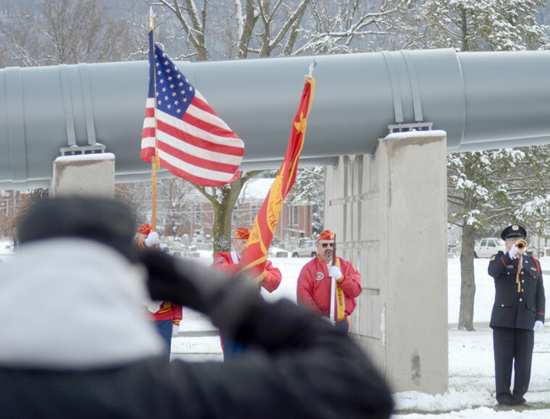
[(482, 100)]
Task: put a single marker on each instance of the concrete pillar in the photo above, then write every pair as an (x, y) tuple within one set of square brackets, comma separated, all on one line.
[(84, 174), (389, 213)]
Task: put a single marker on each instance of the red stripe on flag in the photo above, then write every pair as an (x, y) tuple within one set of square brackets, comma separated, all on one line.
[(206, 126), (202, 105), (147, 154), (149, 112), (148, 132), (199, 142), (198, 161)]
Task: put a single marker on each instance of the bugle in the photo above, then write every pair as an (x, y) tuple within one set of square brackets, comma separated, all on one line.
[(521, 246)]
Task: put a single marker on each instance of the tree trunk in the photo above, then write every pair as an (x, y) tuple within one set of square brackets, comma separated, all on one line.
[(223, 211), (223, 199), (221, 228), (464, 30), (467, 279)]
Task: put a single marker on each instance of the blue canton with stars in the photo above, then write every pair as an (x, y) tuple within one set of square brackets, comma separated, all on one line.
[(174, 92)]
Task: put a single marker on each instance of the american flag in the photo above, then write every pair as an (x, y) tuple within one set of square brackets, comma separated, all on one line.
[(194, 143)]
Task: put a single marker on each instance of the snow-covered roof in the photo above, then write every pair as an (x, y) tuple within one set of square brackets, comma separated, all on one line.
[(256, 189)]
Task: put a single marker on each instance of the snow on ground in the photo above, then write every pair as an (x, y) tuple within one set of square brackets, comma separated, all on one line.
[(471, 368)]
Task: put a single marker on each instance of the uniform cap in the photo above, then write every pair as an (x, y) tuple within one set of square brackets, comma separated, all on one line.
[(326, 235), (242, 233), (513, 231), (145, 229)]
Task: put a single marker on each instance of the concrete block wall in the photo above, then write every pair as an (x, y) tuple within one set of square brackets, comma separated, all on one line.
[(84, 174), (389, 215)]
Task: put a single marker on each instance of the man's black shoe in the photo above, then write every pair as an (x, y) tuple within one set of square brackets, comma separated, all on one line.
[(520, 403)]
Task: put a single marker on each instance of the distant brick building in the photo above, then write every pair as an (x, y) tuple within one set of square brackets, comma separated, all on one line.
[(295, 220)]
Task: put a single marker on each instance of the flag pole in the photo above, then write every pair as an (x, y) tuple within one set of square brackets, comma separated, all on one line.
[(155, 160), (311, 67), (332, 316)]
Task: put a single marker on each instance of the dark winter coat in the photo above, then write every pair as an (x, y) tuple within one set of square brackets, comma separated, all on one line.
[(513, 309), (92, 363)]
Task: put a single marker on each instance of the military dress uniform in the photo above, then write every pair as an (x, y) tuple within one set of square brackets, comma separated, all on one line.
[(519, 302)]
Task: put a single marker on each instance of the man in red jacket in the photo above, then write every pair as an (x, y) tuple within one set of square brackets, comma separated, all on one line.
[(165, 315), (314, 283), (229, 263), (143, 233)]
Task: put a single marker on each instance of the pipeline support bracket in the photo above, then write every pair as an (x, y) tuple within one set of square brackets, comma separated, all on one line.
[(415, 126), (88, 149)]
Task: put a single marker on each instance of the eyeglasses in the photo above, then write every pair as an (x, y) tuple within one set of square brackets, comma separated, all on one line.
[(328, 244)]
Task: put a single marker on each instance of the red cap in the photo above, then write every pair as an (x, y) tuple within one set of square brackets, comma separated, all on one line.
[(145, 229), (326, 235), (242, 233)]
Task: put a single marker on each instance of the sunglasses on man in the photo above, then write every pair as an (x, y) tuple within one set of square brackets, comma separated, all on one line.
[(327, 244)]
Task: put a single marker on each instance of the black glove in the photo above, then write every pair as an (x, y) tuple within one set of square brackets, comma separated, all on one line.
[(225, 299)]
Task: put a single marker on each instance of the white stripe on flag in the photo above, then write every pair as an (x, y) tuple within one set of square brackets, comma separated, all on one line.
[(197, 151), (197, 132), (207, 117), (147, 142), (149, 122), (195, 170)]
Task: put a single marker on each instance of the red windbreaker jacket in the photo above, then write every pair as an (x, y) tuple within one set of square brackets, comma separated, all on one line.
[(313, 288), (273, 277)]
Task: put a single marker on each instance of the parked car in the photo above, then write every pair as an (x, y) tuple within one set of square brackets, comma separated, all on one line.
[(277, 252), (307, 249), (489, 246)]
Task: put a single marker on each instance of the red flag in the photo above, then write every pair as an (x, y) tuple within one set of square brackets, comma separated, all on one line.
[(191, 140), (261, 235)]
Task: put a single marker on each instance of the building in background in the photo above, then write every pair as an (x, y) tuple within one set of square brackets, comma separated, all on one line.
[(183, 212)]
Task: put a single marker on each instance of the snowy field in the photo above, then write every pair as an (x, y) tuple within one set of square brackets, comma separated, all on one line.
[(471, 369)]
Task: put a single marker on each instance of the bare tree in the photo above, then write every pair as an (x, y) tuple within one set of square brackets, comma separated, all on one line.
[(194, 19), (64, 32), (175, 202), (223, 201), (137, 196), (349, 25), (49, 32), (260, 26), (266, 28)]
